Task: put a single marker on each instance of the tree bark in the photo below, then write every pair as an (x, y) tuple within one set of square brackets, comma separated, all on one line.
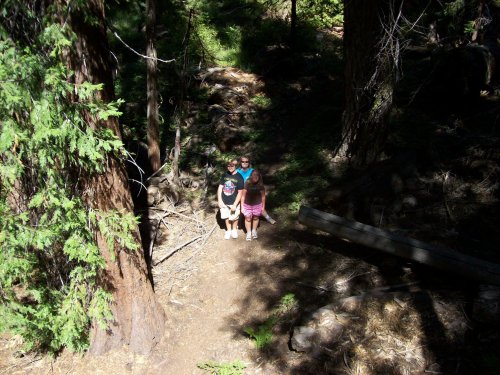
[(153, 132), (370, 67), (138, 318), (293, 25)]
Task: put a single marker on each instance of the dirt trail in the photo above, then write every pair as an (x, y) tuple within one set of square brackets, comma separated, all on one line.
[(206, 310), (206, 293)]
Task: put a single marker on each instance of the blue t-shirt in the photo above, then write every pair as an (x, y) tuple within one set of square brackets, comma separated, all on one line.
[(244, 174)]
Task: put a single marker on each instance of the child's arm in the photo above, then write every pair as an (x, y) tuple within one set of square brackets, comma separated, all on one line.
[(219, 197), (263, 198), (238, 198)]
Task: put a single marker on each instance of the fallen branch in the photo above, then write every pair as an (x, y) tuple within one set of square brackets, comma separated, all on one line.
[(178, 248), (159, 170), (205, 239), (179, 214), (207, 235)]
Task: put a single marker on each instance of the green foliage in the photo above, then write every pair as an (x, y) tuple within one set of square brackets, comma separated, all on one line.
[(263, 335), (456, 19), (321, 13), (261, 100), (287, 302), (49, 259), (233, 368), (453, 8)]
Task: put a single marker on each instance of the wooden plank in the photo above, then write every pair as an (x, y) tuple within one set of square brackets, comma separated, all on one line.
[(401, 246)]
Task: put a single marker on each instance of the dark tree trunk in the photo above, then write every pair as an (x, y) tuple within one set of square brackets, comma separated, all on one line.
[(370, 70), (138, 318), (293, 25), (176, 151), (152, 87)]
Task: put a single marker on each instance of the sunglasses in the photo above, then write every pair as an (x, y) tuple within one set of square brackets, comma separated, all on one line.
[(245, 162)]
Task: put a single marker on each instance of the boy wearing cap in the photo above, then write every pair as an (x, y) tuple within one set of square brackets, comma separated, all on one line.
[(228, 197)]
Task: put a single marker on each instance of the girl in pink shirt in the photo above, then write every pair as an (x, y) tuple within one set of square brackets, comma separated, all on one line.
[(253, 202)]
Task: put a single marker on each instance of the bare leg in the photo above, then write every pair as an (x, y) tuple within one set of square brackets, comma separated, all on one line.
[(227, 235), (234, 224), (248, 226), (255, 224), (268, 218)]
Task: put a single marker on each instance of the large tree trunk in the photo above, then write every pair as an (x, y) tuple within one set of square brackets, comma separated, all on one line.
[(138, 318), (371, 53), (152, 87), (293, 25)]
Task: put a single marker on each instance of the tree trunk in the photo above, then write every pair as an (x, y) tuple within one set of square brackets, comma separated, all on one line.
[(182, 107), (293, 25), (152, 88), (138, 318), (371, 51)]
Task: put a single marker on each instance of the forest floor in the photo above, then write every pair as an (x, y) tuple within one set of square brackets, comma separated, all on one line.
[(212, 292)]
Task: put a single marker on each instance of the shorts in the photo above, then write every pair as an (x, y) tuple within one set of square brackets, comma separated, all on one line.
[(225, 213), (252, 210)]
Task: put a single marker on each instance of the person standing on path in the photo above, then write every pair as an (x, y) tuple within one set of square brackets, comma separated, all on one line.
[(245, 170), (228, 196), (253, 203)]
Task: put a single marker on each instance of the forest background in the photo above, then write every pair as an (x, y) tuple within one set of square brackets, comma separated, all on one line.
[(385, 113)]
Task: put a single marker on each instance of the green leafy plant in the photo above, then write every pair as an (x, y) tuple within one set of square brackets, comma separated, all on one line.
[(321, 13), (263, 335), (216, 368), (261, 100), (49, 258)]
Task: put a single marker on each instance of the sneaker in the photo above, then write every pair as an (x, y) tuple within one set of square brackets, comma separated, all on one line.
[(249, 236), (254, 234), (234, 233), (270, 220), (227, 235)]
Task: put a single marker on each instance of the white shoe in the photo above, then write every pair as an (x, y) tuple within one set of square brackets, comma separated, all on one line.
[(254, 234), (227, 235), (249, 236), (234, 233)]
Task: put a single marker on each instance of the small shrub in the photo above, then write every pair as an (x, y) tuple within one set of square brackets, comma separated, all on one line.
[(261, 100), (263, 336), (233, 368)]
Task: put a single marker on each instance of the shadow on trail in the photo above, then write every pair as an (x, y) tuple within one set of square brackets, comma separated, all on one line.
[(319, 270)]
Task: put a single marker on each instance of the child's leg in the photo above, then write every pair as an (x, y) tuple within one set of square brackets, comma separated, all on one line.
[(268, 218), (255, 224), (227, 234), (248, 224)]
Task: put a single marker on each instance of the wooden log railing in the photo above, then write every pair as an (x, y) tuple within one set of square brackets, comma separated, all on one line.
[(431, 255)]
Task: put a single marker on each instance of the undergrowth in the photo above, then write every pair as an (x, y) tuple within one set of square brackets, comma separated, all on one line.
[(262, 336), (217, 368)]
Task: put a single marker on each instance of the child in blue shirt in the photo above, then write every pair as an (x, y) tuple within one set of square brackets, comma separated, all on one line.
[(245, 171)]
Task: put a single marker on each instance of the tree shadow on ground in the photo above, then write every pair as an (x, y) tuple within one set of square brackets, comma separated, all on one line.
[(319, 269)]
